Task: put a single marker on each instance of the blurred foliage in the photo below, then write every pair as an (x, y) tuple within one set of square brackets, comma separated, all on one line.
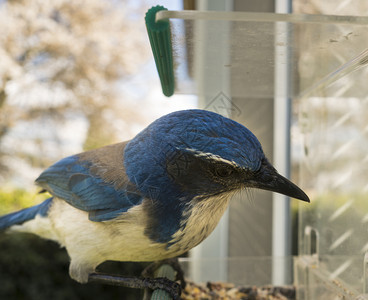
[(34, 268), (320, 212), (328, 202), (340, 219), (12, 199)]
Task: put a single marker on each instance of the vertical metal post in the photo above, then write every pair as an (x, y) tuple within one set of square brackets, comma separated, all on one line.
[(281, 235), (216, 245)]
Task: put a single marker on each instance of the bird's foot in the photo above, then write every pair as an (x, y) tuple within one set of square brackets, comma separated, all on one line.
[(173, 262), (162, 283)]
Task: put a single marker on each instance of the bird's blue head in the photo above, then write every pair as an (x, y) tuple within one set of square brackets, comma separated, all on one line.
[(197, 153)]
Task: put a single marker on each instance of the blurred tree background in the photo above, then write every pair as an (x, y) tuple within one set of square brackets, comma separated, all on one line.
[(63, 63)]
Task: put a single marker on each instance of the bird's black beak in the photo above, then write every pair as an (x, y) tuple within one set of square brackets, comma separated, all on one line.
[(267, 178)]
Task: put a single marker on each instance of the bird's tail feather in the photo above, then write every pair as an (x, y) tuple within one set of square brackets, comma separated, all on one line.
[(19, 217)]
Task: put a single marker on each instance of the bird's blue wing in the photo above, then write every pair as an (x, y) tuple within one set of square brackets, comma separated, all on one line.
[(90, 185)]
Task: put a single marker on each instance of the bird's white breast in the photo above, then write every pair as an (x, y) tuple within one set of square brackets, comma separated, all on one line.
[(91, 243), (202, 217)]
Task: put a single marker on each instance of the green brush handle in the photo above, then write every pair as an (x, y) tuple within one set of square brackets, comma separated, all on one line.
[(159, 34)]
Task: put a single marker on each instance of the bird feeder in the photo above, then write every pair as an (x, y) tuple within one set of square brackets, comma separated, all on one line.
[(317, 67)]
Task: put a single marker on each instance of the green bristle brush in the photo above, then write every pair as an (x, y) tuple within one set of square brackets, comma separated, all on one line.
[(159, 34)]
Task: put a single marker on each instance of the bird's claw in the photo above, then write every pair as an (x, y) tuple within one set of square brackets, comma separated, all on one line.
[(171, 287), (162, 283), (173, 262)]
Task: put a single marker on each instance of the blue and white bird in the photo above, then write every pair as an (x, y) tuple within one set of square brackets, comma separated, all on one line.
[(150, 198)]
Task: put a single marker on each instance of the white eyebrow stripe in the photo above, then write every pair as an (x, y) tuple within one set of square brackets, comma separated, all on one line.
[(211, 156)]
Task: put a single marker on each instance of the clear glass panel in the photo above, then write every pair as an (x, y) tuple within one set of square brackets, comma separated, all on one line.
[(334, 171), (314, 282), (327, 58), (317, 49), (245, 271)]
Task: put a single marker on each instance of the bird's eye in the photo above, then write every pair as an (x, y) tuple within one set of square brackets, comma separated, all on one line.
[(223, 171)]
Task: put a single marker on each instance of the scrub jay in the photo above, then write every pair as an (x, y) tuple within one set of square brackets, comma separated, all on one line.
[(151, 198)]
